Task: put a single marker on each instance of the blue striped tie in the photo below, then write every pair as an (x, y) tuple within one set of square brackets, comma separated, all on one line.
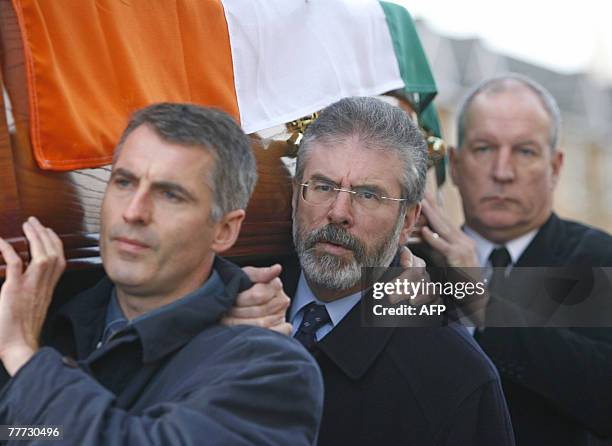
[(315, 316)]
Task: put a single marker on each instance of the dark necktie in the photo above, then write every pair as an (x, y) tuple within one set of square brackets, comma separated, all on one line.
[(500, 259), (315, 316)]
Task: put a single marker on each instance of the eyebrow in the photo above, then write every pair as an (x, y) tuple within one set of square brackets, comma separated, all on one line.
[(370, 187), (477, 141), (528, 142), (490, 141), (120, 171), (158, 185)]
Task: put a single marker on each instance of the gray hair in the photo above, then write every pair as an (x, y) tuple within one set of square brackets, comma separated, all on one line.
[(377, 125), (234, 174), (503, 82)]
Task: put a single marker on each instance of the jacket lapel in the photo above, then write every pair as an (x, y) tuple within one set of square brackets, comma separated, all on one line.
[(353, 347), (85, 315), (350, 345), (544, 249)]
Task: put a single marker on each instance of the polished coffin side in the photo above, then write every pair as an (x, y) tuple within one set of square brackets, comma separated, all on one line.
[(69, 202)]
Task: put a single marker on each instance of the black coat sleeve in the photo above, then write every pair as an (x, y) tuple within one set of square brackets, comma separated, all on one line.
[(481, 420), (570, 368)]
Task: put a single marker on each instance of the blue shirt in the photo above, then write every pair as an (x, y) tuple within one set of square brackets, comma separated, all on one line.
[(116, 321), (336, 309)]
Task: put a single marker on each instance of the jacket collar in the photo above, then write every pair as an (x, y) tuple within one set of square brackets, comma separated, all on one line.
[(162, 333), (543, 247), (84, 314), (352, 346)]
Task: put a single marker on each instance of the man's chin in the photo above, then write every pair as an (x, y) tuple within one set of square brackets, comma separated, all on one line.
[(499, 228), (327, 260), (500, 219), (329, 271), (130, 277), (336, 281)]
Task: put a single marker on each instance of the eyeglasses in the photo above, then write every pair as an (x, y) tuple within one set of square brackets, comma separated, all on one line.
[(320, 193)]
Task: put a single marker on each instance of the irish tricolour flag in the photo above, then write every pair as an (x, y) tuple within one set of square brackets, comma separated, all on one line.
[(90, 63)]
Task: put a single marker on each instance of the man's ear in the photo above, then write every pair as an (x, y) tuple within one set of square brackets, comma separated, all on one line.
[(295, 193), (227, 230), (412, 215), (453, 158), (556, 165)]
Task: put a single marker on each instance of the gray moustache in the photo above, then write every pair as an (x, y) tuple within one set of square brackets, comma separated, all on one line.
[(338, 236)]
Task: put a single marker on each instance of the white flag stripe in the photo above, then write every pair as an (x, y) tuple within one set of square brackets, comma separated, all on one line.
[(294, 57)]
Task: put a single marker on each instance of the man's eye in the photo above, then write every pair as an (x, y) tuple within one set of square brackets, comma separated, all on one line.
[(322, 187), (526, 151), (482, 149), (171, 196), (122, 182), (369, 196)]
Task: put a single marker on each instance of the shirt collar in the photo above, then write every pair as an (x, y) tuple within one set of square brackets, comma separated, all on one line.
[(484, 247), (213, 285), (113, 311), (336, 309), (160, 332), (115, 320)]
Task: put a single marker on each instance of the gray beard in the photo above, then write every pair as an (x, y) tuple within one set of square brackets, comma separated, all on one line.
[(334, 272)]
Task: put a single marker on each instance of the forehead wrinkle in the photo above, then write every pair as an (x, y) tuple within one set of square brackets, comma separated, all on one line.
[(520, 107), (372, 182), (170, 168), (517, 136), (497, 128), (354, 170)]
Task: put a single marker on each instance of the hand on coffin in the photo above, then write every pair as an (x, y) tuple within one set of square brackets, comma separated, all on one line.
[(26, 295)]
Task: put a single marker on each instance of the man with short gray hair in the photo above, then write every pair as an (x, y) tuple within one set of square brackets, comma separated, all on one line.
[(506, 82), (140, 359), (360, 176), (385, 131), (506, 167)]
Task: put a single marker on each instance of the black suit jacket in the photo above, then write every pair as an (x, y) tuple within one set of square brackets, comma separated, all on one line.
[(558, 382), (406, 386)]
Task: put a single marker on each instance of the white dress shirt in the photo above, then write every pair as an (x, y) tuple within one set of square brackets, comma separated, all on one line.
[(484, 247)]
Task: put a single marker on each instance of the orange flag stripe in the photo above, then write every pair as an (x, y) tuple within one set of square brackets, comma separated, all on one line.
[(91, 63)]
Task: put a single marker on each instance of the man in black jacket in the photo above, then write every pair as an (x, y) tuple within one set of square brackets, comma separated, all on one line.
[(140, 358), (359, 178), (557, 381)]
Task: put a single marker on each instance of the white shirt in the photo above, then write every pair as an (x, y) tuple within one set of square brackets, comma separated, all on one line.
[(484, 247)]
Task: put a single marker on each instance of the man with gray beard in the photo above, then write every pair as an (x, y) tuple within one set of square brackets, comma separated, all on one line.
[(335, 272), (359, 180)]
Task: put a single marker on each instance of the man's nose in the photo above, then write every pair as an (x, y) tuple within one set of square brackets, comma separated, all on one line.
[(503, 167), (341, 211), (138, 209)]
